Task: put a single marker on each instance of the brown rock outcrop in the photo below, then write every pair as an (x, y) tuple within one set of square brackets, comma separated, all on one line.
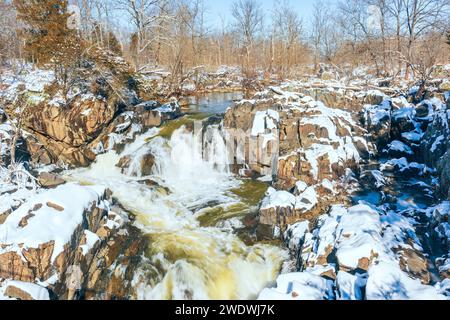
[(82, 267)]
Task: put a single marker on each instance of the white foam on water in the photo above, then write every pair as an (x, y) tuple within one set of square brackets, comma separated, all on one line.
[(185, 260)]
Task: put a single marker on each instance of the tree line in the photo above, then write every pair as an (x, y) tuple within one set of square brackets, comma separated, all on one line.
[(394, 37)]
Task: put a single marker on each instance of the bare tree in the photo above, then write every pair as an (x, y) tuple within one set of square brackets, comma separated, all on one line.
[(287, 27), (395, 10), (424, 58), (422, 16), (248, 18), (16, 116), (324, 34), (146, 15), (193, 15), (361, 20)]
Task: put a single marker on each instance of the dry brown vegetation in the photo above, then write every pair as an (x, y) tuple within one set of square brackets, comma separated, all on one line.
[(404, 38)]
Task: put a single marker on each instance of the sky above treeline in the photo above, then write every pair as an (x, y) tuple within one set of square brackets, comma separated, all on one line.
[(219, 11)]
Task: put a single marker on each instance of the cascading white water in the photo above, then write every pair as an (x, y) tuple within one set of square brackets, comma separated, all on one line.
[(185, 260)]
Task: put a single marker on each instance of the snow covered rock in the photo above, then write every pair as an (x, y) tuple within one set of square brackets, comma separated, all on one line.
[(373, 178), (377, 120), (358, 238), (315, 142), (387, 282), (297, 140), (297, 286), (153, 114), (90, 119), (398, 149), (24, 291), (68, 237), (350, 286)]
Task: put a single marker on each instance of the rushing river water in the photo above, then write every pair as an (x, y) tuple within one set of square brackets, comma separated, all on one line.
[(189, 256)]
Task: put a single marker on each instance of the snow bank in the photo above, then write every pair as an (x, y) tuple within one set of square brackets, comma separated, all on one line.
[(297, 286), (387, 282), (52, 215), (364, 242), (303, 202)]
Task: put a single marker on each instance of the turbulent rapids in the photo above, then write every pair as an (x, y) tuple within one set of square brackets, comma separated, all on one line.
[(190, 179)]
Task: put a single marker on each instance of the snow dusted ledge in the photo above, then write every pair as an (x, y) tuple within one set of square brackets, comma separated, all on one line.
[(12, 289), (50, 216), (352, 253), (50, 228)]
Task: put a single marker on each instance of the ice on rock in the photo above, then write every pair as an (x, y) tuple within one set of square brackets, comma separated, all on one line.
[(30, 290), (350, 286), (412, 136), (300, 186), (296, 234), (374, 115), (444, 287), (440, 140), (306, 200), (263, 121), (400, 102), (377, 176), (404, 113), (276, 198), (91, 240), (327, 184), (325, 234), (402, 165)]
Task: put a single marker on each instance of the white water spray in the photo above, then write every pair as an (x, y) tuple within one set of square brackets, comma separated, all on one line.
[(185, 260)]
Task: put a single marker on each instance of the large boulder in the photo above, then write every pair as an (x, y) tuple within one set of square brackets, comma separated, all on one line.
[(295, 138), (355, 253), (100, 112), (50, 180), (68, 238)]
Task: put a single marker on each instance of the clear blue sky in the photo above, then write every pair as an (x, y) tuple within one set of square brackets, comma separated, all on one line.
[(222, 8)]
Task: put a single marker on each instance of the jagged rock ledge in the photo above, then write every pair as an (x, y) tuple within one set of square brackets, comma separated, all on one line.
[(70, 242)]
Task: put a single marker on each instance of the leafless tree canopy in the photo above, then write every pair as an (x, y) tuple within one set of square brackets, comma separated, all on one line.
[(388, 35)]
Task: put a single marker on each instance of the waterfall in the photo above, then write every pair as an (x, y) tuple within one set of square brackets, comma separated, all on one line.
[(185, 260)]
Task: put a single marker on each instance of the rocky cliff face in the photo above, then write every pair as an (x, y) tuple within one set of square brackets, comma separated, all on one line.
[(71, 241), (100, 111), (310, 148)]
